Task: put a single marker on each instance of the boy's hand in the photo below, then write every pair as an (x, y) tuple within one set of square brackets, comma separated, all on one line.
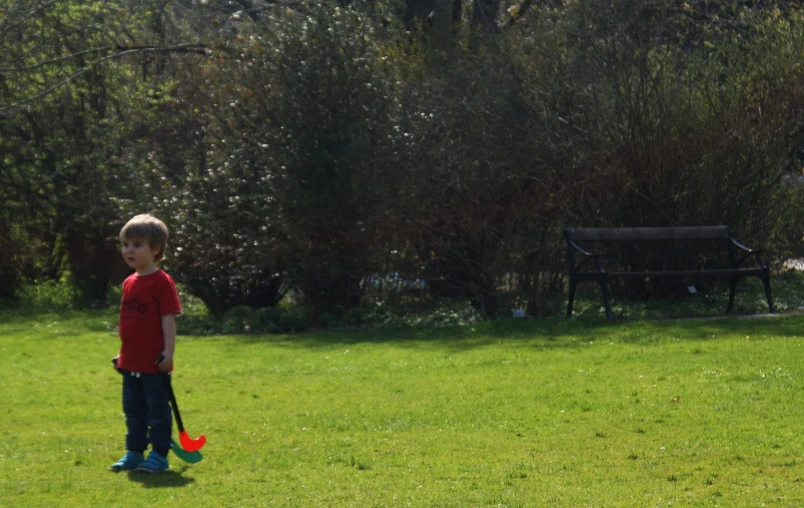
[(165, 361)]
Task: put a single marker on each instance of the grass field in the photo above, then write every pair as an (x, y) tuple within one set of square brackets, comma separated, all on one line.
[(518, 413)]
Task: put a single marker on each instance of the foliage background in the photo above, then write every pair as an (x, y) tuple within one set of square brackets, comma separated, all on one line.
[(329, 156)]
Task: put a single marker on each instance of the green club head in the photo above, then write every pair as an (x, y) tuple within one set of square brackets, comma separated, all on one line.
[(191, 457)]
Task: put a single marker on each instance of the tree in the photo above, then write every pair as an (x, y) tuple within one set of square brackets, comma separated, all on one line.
[(68, 114), (307, 126)]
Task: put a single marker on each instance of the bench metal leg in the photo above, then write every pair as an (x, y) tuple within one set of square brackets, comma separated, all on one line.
[(573, 285), (766, 282), (732, 288), (604, 287)]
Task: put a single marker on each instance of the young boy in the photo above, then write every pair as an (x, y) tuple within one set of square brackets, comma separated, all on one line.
[(147, 330)]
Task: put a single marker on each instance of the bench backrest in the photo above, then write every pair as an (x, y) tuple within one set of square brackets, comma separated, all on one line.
[(635, 234)]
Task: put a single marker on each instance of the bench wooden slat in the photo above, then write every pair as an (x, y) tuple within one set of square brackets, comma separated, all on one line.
[(682, 273), (635, 234)]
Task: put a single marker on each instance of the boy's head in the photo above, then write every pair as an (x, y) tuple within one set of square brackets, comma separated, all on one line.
[(149, 229)]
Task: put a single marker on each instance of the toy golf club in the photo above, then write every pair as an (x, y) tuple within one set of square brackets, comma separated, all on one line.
[(191, 457), (187, 443)]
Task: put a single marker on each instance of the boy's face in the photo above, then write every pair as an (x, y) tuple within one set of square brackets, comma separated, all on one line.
[(138, 254)]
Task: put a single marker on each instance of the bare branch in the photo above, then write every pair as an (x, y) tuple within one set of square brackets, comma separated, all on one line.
[(181, 48), (248, 8)]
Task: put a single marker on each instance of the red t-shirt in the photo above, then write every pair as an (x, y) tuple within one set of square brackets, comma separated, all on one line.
[(145, 300)]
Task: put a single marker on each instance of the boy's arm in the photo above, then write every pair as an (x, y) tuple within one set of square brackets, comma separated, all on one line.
[(169, 334)]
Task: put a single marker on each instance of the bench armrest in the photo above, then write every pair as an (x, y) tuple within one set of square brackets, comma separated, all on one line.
[(757, 253), (743, 247), (579, 248), (590, 256)]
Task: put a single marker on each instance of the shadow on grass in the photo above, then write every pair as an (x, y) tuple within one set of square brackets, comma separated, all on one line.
[(58, 324), (548, 333), (166, 480)]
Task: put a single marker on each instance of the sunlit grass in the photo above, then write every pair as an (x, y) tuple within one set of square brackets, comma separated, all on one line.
[(516, 413)]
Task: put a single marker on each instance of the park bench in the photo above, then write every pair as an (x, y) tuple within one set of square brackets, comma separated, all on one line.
[(603, 254)]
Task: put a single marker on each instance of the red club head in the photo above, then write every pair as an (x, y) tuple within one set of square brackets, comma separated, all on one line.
[(189, 444)]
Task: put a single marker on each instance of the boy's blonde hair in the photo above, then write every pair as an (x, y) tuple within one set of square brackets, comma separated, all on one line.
[(148, 228)]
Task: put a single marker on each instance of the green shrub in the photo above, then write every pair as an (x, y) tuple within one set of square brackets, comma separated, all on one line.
[(328, 320), (48, 294), (242, 319), (294, 319), (354, 316), (268, 317)]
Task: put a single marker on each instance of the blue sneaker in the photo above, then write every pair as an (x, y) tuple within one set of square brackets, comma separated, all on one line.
[(154, 464), (129, 462)]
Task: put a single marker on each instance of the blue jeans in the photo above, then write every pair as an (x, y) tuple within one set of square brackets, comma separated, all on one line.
[(146, 405)]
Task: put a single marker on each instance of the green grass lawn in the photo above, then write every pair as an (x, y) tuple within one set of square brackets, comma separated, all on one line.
[(518, 413)]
